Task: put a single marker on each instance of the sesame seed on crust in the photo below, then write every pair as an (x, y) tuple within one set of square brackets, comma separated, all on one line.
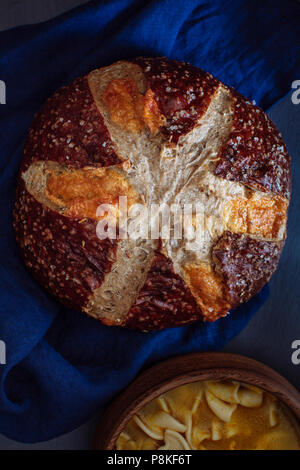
[(164, 301), (246, 264), (182, 93)]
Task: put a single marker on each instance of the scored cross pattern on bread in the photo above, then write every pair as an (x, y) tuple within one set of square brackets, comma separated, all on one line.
[(158, 132)]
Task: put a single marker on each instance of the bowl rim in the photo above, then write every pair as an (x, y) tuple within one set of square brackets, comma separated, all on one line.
[(183, 369)]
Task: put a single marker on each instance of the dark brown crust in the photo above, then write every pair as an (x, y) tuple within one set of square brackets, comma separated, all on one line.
[(246, 264), (182, 92), (255, 153), (65, 256), (164, 301), (70, 130)]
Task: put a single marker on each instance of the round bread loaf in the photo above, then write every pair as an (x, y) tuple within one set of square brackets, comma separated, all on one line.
[(158, 132)]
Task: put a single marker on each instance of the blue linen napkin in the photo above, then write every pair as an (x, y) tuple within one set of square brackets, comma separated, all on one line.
[(62, 367)]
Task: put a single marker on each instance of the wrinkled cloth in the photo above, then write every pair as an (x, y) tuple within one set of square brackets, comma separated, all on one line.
[(63, 367)]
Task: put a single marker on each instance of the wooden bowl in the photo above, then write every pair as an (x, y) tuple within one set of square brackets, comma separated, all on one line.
[(181, 370)]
